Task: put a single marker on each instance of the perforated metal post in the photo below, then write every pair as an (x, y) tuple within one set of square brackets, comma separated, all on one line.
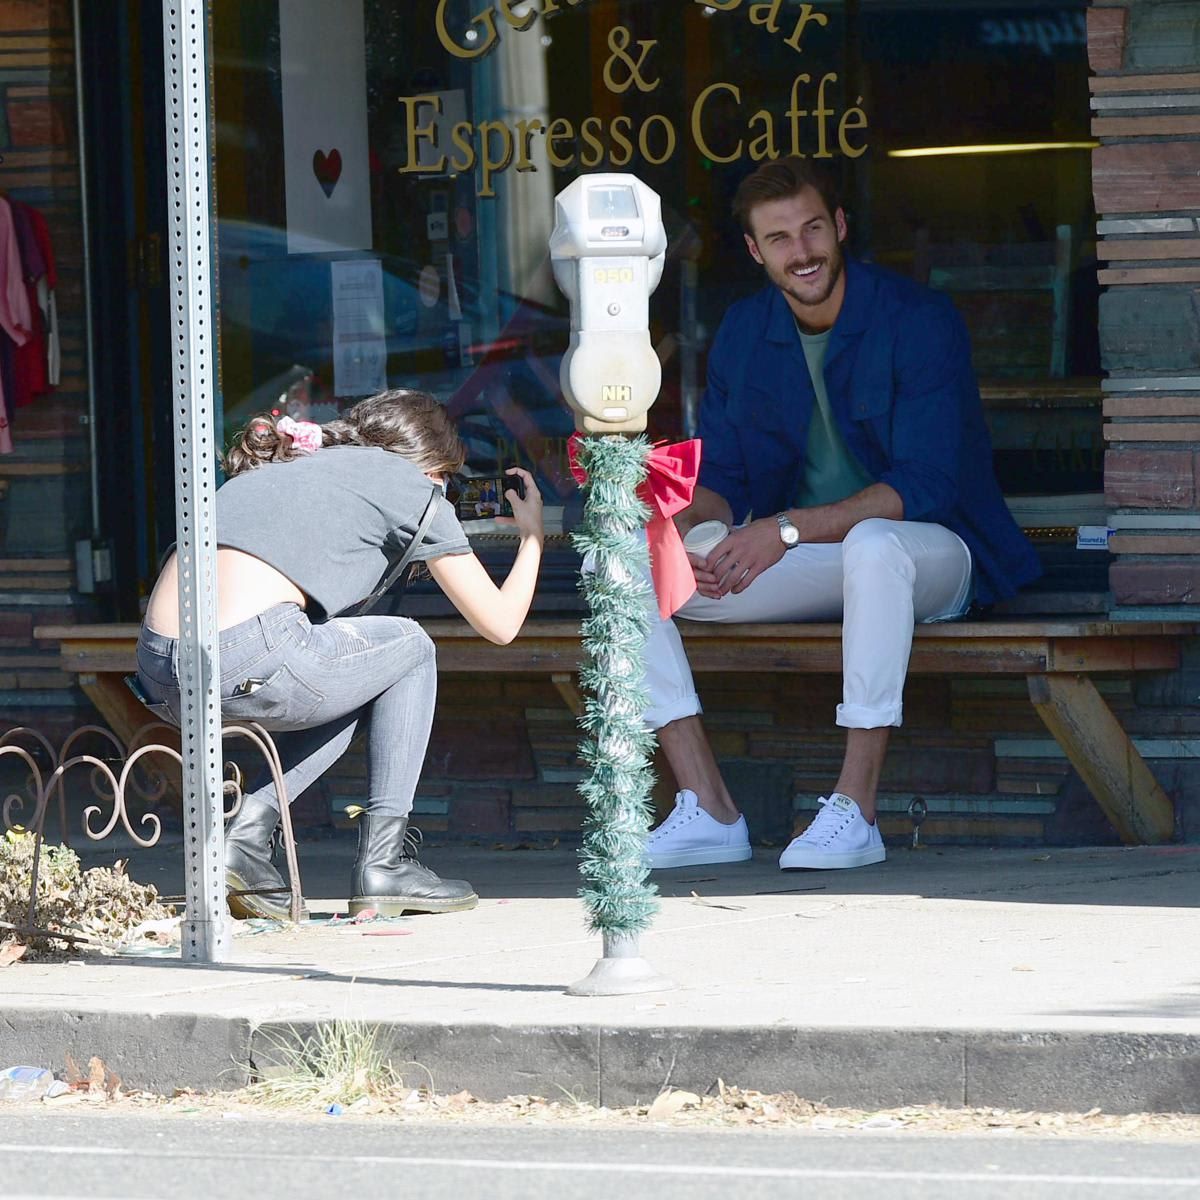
[(207, 934)]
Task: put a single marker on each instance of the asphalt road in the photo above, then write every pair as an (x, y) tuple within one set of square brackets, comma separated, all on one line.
[(139, 1157)]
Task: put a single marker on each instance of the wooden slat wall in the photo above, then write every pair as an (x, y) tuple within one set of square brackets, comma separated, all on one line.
[(1146, 180)]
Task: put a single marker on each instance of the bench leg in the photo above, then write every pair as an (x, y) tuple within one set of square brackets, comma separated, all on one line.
[(568, 689), (1107, 761)]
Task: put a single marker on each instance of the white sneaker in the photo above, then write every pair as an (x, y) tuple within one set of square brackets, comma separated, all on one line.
[(689, 837), (839, 836)]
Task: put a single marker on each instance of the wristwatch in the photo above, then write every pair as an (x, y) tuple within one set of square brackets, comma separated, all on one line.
[(789, 535)]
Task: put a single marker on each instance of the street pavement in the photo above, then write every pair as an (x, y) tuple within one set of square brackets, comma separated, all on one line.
[(1047, 979), (136, 1158)]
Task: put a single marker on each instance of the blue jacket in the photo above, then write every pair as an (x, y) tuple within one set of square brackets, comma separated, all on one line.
[(900, 385)]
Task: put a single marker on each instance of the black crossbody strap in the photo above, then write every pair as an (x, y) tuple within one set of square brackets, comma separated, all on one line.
[(397, 569)]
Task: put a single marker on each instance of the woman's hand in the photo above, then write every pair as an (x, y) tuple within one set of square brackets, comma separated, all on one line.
[(527, 512), (498, 612)]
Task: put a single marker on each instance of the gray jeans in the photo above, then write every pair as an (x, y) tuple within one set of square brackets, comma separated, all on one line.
[(312, 686)]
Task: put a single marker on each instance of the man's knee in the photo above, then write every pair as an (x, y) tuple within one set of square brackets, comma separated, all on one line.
[(876, 542)]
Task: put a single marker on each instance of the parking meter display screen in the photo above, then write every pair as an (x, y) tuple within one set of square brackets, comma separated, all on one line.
[(611, 203)]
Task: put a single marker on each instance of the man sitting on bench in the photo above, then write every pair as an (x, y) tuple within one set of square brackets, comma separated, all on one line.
[(844, 444)]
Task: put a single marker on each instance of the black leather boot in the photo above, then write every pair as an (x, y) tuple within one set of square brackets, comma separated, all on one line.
[(388, 878), (248, 866)]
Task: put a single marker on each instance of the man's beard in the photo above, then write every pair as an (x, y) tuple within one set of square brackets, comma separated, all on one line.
[(787, 283)]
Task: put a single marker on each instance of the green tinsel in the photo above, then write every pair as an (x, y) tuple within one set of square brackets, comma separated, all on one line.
[(619, 900)]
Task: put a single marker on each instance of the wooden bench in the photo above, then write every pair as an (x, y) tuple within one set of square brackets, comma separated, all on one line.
[(1056, 657)]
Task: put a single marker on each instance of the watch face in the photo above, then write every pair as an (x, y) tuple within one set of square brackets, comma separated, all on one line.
[(788, 533)]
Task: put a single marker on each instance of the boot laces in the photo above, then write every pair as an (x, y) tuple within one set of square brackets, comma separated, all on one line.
[(411, 848)]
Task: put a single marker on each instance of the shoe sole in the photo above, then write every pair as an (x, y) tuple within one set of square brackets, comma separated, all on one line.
[(397, 906), (700, 858), (256, 908), (816, 861)]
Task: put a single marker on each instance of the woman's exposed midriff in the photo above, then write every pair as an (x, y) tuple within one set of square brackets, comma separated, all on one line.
[(246, 586)]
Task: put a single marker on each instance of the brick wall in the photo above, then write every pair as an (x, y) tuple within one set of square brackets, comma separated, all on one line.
[(44, 485), (502, 765), (1146, 177), (1145, 55)]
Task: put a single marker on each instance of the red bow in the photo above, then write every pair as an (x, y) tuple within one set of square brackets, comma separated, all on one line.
[(671, 472)]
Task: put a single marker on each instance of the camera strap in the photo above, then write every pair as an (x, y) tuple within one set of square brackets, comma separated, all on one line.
[(394, 572)]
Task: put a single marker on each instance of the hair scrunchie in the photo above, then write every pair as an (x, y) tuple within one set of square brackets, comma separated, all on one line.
[(305, 435)]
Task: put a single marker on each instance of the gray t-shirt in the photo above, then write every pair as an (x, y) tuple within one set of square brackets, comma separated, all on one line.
[(333, 522)]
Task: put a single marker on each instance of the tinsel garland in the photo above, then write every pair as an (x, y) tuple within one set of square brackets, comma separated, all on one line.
[(618, 746)]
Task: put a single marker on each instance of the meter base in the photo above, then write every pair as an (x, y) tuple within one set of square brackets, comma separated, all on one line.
[(621, 972)]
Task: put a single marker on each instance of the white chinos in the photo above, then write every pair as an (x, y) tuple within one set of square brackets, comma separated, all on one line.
[(880, 580)]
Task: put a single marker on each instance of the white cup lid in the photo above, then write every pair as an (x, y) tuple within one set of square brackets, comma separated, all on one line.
[(700, 539)]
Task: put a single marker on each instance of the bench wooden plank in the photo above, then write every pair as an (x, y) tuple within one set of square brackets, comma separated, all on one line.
[(549, 647), (1055, 656), (1107, 761)]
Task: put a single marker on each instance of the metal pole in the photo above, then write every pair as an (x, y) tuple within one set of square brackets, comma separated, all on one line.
[(207, 934)]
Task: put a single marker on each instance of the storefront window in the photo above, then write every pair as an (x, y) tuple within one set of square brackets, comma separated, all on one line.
[(386, 173)]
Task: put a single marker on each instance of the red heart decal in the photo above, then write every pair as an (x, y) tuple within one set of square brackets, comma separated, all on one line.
[(328, 170)]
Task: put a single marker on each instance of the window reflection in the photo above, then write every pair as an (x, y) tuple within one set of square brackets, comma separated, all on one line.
[(467, 149)]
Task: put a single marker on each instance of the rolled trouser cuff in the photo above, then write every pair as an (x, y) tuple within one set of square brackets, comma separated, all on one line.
[(673, 710), (860, 716)]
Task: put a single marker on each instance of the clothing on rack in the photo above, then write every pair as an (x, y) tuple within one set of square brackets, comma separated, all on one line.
[(30, 354), (29, 363), (45, 285), (16, 319)]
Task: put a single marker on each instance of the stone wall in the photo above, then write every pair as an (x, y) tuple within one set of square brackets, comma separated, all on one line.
[(1146, 175), (502, 764)]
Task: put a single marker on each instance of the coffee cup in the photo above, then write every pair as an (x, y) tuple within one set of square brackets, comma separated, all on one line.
[(702, 539)]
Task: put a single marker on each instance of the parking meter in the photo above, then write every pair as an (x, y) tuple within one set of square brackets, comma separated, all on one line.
[(607, 251)]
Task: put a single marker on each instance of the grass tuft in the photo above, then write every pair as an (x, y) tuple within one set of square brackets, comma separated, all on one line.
[(340, 1063)]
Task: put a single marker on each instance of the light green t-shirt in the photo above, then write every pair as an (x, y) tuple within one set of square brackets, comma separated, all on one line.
[(831, 472)]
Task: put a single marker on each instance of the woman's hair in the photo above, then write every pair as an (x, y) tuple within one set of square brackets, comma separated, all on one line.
[(411, 424)]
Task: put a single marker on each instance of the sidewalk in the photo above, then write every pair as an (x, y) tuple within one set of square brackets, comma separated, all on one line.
[(1017, 978)]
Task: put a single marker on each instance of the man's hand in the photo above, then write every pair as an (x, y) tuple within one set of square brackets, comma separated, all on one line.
[(739, 560)]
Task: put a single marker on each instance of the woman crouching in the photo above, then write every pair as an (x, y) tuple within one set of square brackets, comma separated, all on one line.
[(312, 520)]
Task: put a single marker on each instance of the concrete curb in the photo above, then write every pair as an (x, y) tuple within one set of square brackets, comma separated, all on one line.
[(860, 1067)]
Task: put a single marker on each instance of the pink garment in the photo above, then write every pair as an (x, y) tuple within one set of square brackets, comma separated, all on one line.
[(29, 361), (15, 318)]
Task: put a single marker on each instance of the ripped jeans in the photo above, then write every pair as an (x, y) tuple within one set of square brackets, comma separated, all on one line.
[(312, 686)]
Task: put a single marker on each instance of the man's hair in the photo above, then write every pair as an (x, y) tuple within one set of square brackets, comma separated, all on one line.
[(781, 179)]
